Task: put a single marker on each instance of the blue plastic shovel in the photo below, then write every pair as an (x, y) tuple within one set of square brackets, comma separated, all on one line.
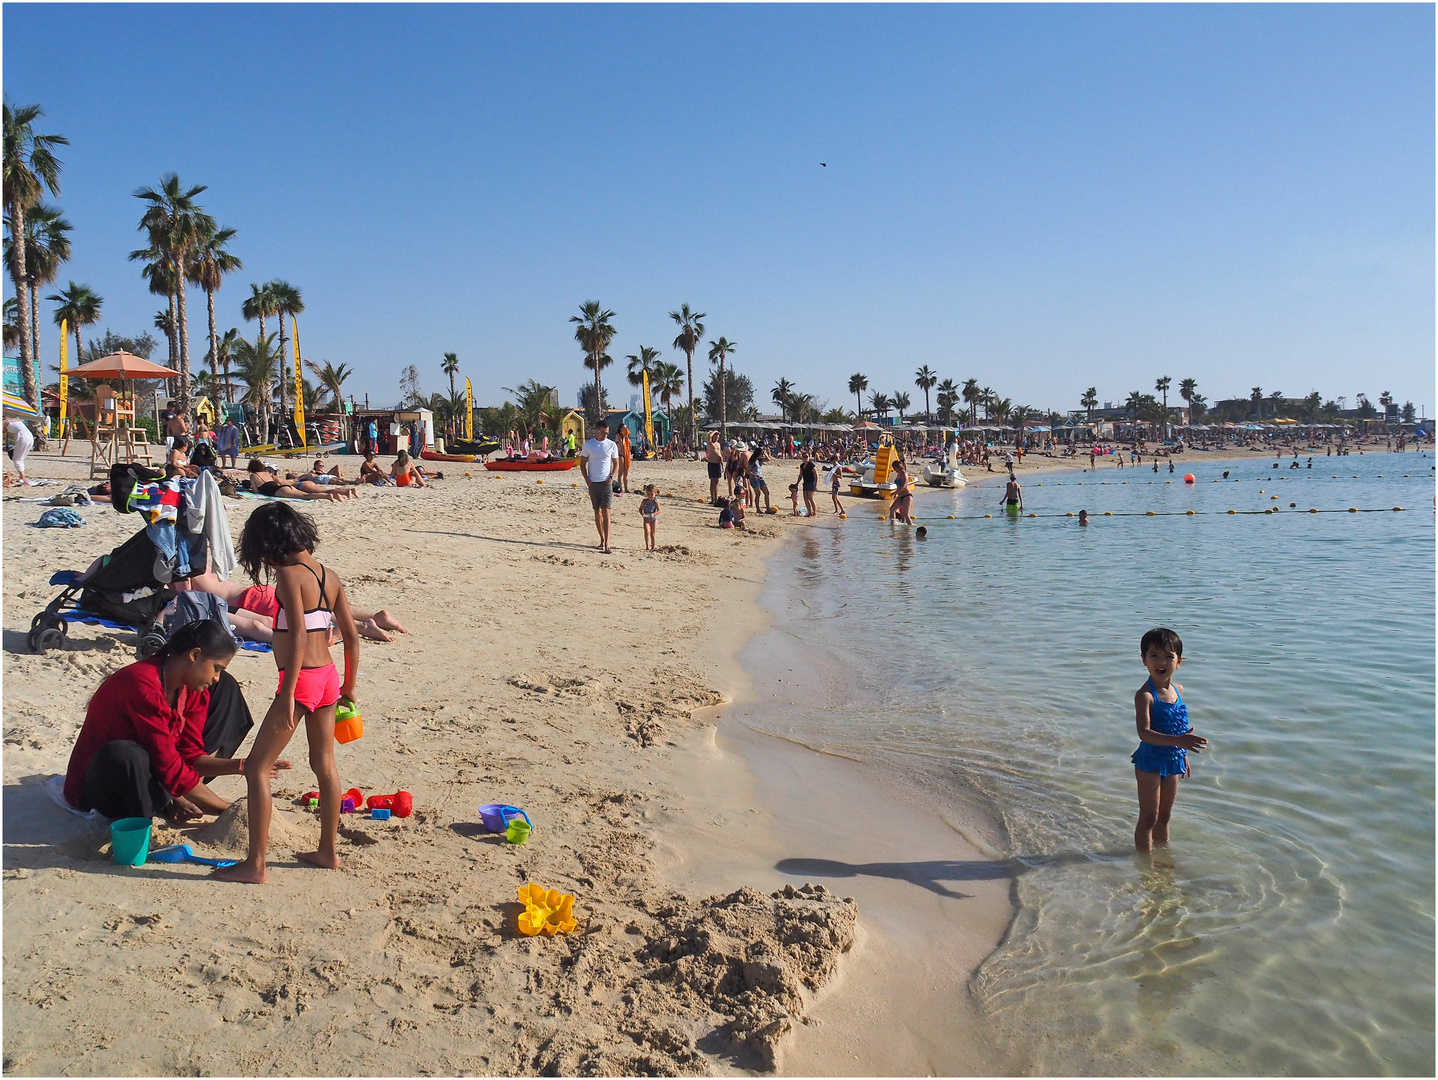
[(185, 853)]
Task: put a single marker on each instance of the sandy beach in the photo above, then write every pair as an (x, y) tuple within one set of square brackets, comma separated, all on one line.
[(593, 691)]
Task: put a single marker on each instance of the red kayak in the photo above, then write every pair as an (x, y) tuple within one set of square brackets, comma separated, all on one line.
[(520, 465)]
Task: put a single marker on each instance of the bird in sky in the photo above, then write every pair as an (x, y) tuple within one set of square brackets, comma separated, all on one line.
[(824, 163)]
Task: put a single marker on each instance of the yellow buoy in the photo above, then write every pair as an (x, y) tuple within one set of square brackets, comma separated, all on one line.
[(1069, 514), (1192, 512), (576, 485), (1149, 514), (539, 481), (1273, 496), (1353, 509), (469, 474), (988, 515), (1108, 513), (1292, 506), (1033, 515), (951, 517), (1233, 511), (1397, 508), (1269, 510), (1313, 510), (842, 514)]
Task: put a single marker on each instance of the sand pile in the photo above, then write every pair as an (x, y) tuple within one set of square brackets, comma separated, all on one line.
[(725, 975), (230, 832)]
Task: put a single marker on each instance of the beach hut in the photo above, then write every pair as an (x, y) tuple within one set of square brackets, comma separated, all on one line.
[(572, 422)]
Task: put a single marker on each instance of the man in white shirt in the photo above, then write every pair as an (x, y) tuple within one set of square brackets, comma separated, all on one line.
[(598, 459)]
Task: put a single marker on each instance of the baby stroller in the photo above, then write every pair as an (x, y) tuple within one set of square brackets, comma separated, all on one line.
[(121, 592)]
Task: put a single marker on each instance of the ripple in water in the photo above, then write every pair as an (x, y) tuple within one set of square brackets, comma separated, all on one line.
[(1288, 928)]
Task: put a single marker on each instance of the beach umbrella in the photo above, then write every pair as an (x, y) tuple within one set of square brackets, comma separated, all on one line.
[(125, 367), (18, 406)]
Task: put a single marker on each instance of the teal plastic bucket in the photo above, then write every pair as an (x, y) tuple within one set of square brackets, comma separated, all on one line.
[(130, 840)]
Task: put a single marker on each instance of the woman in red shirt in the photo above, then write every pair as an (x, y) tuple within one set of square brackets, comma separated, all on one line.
[(141, 750)]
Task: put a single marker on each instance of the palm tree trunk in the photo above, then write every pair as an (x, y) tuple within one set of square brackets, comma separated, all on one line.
[(22, 298), (182, 331), (35, 340), (284, 398), (723, 406), (598, 394), (693, 420), (214, 338), (859, 406)]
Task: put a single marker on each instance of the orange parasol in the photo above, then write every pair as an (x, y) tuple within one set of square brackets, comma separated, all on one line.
[(122, 365)]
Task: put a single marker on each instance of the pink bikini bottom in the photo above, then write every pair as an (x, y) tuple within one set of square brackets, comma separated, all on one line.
[(317, 687)]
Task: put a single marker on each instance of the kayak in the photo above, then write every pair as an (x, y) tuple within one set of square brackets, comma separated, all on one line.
[(430, 455), (505, 465)]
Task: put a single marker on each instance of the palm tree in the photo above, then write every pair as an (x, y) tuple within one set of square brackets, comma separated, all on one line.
[(925, 380), (47, 245), (948, 397), (719, 351), (901, 403), (224, 356), (31, 168), (880, 404), (666, 382), (259, 306), (1162, 387), (987, 399), (1256, 396), (78, 306), (450, 366), (1000, 409), (533, 401), (256, 363), (1089, 401), (972, 396), (594, 332), (208, 267), (1021, 416), (691, 332), (287, 302), (857, 385), (646, 359), (801, 405), (157, 273), (1188, 389), (332, 377), (780, 395), (175, 223)]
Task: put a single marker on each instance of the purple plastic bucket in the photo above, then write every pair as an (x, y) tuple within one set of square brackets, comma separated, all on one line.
[(496, 816)]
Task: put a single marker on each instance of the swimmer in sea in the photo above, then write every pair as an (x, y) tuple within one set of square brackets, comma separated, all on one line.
[(1013, 500)]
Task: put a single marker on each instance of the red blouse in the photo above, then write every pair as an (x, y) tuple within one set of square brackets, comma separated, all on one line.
[(131, 704)]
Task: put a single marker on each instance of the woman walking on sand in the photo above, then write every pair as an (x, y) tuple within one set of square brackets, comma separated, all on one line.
[(626, 455)]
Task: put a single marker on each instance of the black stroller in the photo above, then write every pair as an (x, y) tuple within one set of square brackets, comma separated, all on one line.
[(122, 592)]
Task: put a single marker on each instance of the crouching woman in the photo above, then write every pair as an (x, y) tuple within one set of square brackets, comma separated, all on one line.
[(152, 730)]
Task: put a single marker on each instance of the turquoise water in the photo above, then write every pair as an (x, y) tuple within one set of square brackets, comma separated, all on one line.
[(1288, 928)]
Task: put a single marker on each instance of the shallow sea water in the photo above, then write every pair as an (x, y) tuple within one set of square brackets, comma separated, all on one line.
[(1288, 928)]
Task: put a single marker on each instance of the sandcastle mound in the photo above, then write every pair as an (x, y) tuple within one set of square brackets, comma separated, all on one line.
[(230, 832)]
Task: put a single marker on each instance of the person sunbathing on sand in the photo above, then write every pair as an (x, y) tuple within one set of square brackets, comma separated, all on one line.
[(320, 475), (265, 482), (253, 609)]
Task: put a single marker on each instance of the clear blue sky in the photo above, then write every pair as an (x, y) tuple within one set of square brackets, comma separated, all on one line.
[(1043, 198)]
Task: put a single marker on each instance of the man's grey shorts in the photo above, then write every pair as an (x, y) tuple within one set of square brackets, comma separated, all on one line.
[(600, 494)]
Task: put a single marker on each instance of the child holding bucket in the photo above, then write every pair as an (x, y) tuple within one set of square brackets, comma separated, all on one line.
[(280, 540)]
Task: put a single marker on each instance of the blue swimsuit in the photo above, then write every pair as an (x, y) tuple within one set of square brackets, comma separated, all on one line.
[(1166, 718)]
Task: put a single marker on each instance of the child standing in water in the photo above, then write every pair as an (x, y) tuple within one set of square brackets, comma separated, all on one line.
[(1164, 737), (280, 540), (649, 511)]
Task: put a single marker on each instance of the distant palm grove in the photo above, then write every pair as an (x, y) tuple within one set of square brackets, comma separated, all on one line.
[(183, 248)]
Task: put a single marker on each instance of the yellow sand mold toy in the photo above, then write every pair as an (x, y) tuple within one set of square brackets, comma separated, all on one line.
[(545, 912)]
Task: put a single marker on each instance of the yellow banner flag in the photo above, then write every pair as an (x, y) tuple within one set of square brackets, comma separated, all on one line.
[(64, 379), (468, 412), (648, 415), (299, 386)]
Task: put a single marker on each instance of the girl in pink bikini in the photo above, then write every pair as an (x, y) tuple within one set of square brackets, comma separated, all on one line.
[(279, 539)]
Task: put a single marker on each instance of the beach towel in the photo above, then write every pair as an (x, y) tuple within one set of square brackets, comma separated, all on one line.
[(55, 788), (205, 516), (90, 618), (60, 517)]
